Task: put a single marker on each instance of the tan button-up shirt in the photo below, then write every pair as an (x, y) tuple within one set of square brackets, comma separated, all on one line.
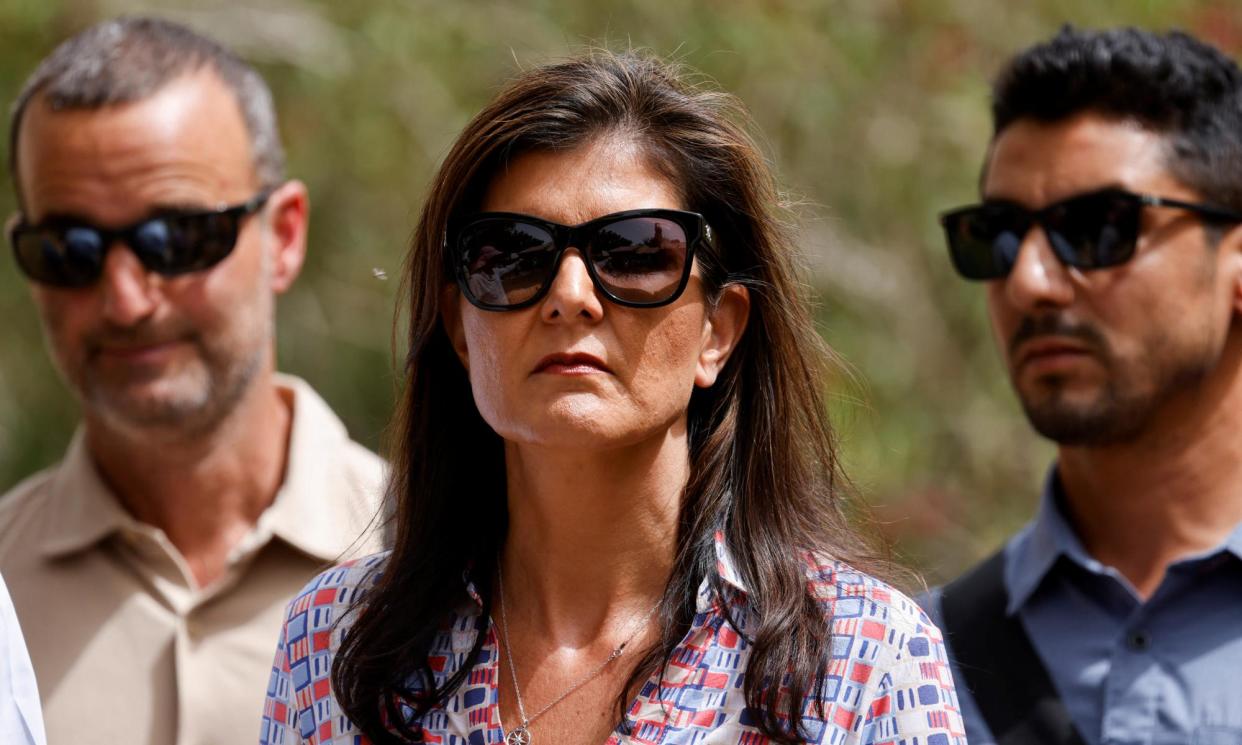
[(126, 648)]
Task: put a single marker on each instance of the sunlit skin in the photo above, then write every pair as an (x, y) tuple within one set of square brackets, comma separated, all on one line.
[(595, 446), (1157, 367), (173, 374)]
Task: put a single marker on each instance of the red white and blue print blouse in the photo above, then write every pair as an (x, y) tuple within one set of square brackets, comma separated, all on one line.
[(888, 683)]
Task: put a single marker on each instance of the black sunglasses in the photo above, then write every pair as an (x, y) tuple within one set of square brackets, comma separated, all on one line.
[(1088, 231), (70, 253), (638, 258)]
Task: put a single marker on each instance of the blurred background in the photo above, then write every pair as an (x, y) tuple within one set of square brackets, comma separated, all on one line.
[(874, 112)]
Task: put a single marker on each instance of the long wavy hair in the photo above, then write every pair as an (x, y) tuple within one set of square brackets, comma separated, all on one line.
[(764, 469)]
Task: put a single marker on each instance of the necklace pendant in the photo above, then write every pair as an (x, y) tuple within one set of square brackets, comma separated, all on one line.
[(518, 736)]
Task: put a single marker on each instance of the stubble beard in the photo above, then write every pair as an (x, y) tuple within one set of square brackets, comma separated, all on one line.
[(187, 402), (1123, 407)]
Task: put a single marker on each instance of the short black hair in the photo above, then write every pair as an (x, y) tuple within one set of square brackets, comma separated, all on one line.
[(129, 59), (1170, 83)]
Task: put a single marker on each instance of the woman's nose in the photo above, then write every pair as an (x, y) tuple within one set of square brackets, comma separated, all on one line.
[(572, 294)]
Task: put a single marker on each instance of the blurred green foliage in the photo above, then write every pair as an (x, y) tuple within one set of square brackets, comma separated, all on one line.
[(873, 111)]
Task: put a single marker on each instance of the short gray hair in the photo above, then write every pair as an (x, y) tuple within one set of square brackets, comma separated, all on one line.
[(131, 58)]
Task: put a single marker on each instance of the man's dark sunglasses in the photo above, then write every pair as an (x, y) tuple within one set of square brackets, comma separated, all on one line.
[(637, 258), (1088, 231), (70, 253)]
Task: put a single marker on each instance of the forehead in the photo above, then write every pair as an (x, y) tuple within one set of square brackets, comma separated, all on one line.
[(187, 144), (574, 186), (1036, 163)]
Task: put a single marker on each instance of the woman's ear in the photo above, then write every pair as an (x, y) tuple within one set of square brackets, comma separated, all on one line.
[(724, 328), (450, 316)]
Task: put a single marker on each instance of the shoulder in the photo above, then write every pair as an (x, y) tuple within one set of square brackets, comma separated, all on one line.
[(889, 668), (320, 433), (858, 603), (320, 614), (20, 508), (27, 492), (365, 468), (339, 588), (882, 640)]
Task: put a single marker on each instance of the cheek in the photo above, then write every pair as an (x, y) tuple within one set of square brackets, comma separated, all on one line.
[(485, 360), (1000, 317), (667, 360), (234, 300), (63, 322)]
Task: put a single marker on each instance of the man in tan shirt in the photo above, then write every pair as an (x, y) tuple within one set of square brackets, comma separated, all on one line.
[(150, 568)]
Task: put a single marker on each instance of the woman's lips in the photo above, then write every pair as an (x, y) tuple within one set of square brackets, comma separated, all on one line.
[(575, 363)]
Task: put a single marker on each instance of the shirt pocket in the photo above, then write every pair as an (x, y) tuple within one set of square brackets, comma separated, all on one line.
[(1218, 735)]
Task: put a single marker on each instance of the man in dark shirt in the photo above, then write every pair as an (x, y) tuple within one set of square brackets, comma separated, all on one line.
[(1109, 247)]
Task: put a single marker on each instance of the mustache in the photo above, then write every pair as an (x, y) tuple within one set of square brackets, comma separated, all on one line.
[(1056, 324), (143, 334)]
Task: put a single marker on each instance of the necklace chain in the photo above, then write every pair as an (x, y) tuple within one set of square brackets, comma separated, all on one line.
[(520, 735)]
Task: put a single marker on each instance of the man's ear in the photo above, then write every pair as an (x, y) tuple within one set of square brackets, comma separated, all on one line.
[(288, 209), (450, 316), (1228, 251), (725, 325)]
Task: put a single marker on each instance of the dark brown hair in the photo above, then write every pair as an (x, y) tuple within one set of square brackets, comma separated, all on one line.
[(1171, 83), (764, 471)]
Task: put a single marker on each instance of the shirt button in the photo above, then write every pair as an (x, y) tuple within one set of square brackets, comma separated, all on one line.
[(1138, 641)]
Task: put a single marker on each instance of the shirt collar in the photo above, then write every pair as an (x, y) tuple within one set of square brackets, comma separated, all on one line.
[(82, 510), (726, 567), (315, 507), (85, 511), (1035, 550), (1233, 544)]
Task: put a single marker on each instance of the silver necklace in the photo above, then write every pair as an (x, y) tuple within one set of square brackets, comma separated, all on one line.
[(520, 735)]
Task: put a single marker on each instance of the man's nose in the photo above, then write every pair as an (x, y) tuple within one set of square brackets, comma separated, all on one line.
[(572, 293), (126, 287), (1038, 278)]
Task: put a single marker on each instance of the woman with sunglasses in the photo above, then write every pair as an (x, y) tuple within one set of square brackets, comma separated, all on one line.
[(619, 509)]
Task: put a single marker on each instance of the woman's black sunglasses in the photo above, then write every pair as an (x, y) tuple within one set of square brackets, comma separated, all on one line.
[(638, 258), (1088, 231), (70, 253)]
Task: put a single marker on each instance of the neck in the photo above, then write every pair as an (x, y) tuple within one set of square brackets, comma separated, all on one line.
[(1175, 490), (592, 535), (206, 491)]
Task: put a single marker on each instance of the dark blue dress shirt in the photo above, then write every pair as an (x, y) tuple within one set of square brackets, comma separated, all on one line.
[(1163, 671)]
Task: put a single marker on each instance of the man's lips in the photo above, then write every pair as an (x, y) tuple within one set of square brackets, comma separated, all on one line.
[(1050, 350), (574, 363), (136, 352)]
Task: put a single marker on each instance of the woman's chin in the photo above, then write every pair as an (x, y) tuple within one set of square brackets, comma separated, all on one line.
[(578, 428)]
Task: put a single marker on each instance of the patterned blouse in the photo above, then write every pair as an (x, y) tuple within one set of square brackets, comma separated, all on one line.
[(888, 682)]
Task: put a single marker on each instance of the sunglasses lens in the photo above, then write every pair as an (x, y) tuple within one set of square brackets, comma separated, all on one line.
[(71, 257), (984, 240), (1094, 231), (506, 262), (640, 260), (184, 243)]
